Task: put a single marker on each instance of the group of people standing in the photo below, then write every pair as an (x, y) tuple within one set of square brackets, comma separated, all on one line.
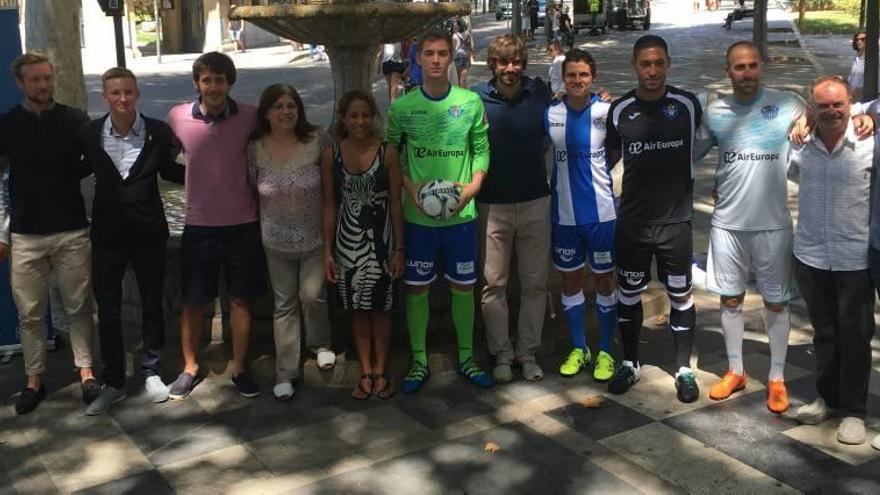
[(266, 189)]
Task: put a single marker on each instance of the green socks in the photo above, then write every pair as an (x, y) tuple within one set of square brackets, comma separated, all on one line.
[(463, 320), (417, 313)]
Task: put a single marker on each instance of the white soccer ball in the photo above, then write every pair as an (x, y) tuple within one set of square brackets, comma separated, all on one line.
[(439, 198)]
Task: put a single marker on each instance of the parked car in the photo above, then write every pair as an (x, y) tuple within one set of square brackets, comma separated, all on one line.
[(504, 10), (630, 14)]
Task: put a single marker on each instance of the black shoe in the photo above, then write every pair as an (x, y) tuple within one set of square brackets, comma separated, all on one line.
[(624, 378), (246, 387), (29, 400), (686, 387), (91, 389)]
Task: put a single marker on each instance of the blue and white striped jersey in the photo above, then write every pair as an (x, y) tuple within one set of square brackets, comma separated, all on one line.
[(581, 185)]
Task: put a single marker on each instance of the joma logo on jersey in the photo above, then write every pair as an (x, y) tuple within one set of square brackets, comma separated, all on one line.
[(733, 156), (418, 112), (637, 147), (565, 254), (423, 152), (421, 267), (770, 112), (557, 124)]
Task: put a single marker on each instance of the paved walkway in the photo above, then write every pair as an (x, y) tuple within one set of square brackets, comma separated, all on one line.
[(443, 440)]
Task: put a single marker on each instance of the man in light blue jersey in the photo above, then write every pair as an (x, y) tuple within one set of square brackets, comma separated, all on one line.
[(751, 224), (582, 211)]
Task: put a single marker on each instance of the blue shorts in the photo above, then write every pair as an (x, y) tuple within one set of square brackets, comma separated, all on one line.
[(572, 244), (454, 246)]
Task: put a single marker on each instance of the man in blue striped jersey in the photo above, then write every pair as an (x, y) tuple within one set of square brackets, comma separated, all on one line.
[(582, 211)]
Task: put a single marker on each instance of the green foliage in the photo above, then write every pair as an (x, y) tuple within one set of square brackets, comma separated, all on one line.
[(830, 22), (849, 6), (143, 9)]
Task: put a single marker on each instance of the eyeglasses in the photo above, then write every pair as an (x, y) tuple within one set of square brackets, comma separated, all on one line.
[(861, 39)]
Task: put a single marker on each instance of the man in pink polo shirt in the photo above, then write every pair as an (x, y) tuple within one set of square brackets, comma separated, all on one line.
[(222, 232)]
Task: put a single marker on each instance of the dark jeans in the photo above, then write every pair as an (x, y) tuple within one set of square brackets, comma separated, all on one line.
[(841, 308), (874, 266), (109, 262)]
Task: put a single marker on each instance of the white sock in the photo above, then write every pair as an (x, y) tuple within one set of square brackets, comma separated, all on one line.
[(733, 327), (778, 326)]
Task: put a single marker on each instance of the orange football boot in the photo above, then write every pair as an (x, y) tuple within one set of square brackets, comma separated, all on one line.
[(777, 396), (729, 383)]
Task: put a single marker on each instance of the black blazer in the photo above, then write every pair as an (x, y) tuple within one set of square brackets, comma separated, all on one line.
[(130, 209)]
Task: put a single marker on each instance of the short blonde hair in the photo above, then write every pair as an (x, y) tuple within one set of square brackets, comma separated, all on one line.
[(30, 58)]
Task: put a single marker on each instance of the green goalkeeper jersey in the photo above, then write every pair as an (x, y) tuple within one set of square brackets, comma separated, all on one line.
[(445, 138)]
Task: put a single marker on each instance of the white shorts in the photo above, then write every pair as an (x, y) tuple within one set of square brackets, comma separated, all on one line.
[(768, 253)]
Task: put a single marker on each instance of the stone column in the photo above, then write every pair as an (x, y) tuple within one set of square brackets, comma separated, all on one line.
[(53, 28)]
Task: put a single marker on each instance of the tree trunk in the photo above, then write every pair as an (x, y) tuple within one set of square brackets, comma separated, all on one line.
[(516, 17), (759, 31), (52, 27), (872, 26), (802, 7)]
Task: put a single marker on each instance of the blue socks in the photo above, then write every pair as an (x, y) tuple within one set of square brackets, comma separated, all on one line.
[(574, 313), (606, 312)]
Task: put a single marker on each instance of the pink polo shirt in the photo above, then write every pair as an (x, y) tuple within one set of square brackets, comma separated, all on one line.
[(217, 191)]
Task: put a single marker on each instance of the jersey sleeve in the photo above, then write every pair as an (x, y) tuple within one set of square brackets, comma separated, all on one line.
[(612, 137), (393, 130), (479, 137), (703, 138)]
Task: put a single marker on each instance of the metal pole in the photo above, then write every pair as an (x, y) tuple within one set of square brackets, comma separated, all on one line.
[(120, 42), (158, 20), (872, 26)]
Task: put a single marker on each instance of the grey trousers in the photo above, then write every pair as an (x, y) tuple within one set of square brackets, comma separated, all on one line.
[(300, 299), (524, 227)]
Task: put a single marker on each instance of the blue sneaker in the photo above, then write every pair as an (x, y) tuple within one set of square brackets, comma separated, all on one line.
[(416, 378), (473, 373)]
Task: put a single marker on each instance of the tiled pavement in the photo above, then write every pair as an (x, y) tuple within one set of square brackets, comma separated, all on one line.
[(434, 442)]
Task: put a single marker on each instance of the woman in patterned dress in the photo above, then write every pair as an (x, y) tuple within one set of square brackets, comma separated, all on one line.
[(363, 233), (284, 168)]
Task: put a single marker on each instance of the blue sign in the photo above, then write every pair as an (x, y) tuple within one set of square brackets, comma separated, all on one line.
[(10, 47)]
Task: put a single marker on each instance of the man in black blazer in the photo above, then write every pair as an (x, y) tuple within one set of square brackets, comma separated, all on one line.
[(127, 152)]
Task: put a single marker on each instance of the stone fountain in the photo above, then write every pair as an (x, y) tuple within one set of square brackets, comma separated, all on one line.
[(350, 30)]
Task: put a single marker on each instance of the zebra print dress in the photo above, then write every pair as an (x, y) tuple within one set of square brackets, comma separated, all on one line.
[(363, 235)]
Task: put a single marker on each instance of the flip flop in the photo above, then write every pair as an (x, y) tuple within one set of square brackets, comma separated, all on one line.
[(387, 391), (360, 387)]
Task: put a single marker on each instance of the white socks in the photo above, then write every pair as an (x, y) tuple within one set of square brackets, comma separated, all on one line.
[(733, 327), (777, 326)]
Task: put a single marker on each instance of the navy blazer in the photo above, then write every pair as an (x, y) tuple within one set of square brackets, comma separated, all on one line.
[(130, 209)]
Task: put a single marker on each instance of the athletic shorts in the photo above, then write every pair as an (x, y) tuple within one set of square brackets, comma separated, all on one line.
[(574, 244), (733, 253), (235, 250), (462, 61), (390, 66), (454, 247), (637, 244)]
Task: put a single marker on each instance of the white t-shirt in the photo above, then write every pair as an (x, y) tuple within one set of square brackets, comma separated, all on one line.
[(557, 84), (391, 53)]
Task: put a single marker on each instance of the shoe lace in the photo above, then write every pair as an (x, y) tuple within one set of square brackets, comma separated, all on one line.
[(688, 379), (470, 369), (417, 372)]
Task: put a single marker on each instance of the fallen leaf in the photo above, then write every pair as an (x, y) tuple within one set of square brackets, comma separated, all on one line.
[(492, 447), (593, 401)]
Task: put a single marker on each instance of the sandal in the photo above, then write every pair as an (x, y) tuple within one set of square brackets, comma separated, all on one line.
[(387, 391), (360, 393)]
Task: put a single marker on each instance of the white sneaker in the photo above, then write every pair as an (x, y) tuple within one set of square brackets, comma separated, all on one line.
[(502, 373), (851, 431), (326, 359), (156, 390), (813, 413), (283, 391)]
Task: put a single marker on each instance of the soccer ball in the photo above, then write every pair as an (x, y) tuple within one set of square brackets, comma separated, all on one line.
[(439, 198)]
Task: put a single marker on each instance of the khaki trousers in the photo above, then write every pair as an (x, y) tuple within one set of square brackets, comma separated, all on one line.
[(300, 298), (33, 258), (525, 227)]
